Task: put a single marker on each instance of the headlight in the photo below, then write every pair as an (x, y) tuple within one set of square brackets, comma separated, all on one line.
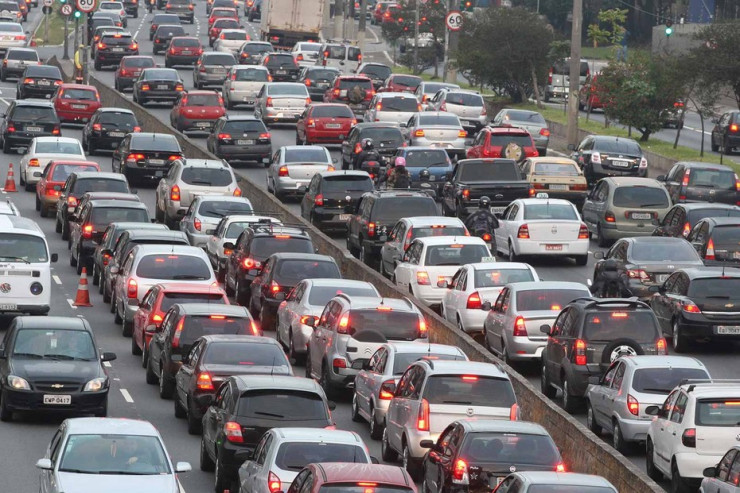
[(95, 384), (18, 383)]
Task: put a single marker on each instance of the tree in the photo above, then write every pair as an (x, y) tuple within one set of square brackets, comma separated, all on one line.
[(431, 28), (718, 53)]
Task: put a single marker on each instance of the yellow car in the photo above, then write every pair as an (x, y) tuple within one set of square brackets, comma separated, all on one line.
[(559, 177)]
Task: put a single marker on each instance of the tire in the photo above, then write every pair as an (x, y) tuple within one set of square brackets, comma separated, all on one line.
[(545, 386), (38, 204), (678, 484), (266, 321), (678, 341), (195, 425), (513, 257), (135, 349), (5, 413), (127, 328), (58, 226), (411, 465), (726, 149), (95, 275), (581, 259), (715, 148), (325, 382), (166, 387), (80, 262), (571, 403), (650, 468), (3, 77), (106, 294), (98, 66), (386, 452), (206, 463), (6, 146), (151, 377), (376, 429), (65, 231), (242, 298), (618, 439), (356, 410), (222, 483), (292, 354), (308, 366), (591, 419), (72, 261), (180, 411), (144, 358), (364, 258), (601, 240), (624, 346)]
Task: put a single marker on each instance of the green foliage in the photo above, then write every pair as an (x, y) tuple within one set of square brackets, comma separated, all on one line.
[(431, 22), (718, 54)]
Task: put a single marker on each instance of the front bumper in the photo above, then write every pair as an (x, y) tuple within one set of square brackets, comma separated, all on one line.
[(31, 400)]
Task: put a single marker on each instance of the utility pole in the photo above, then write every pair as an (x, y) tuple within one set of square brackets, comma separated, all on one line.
[(575, 72), (416, 36), (66, 38), (85, 53), (326, 19), (338, 19), (445, 60), (362, 24)]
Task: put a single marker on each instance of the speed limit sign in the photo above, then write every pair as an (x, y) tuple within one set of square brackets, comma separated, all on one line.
[(453, 20), (86, 6)]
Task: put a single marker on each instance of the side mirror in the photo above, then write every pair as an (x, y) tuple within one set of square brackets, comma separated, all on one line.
[(709, 472), (486, 306), (229, 246), (108, 356), (154, 220), (332, 405), (661, 178), (598, 255), (426, 443), (45, 464), (114, 270), (183, 467), (54, 257), (310, 321), (150, 329), (571, 147), (652, 410), (442, 284), (210, 231), (545, 329), (280, 296)]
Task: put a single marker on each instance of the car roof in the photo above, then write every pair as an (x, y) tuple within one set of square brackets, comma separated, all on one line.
[(39, 103), (501, 266), (713, 389), (534, 285), (448, 367), (187, 287), (447, 240), (11, 223), (364, 125), (697, 164), (421, 221), (535, 200), (667, 361), (171, 249), (222, 198), (690, 206), (55, 323), (723, 221), (499, 426), (395, 94), (110, 426), (67, 140), (282, 382), (404, 347), (240, 338), (327, 174), (317, 435), (252, 218), (563, 478), (338, 283), (210, 308), (99, 174), (551, 159), (711, 272), (203, 163), (631, 181), (121, 204), (508, 130), (119, 196), (373, 302), (127, 225), (157, 234), (315, 257), (377, 473), (656, 239)]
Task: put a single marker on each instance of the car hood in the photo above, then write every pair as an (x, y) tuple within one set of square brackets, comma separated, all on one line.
[(33, 369), (115, 483)]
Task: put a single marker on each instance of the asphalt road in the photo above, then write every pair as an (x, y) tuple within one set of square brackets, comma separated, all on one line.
[(25, 440)]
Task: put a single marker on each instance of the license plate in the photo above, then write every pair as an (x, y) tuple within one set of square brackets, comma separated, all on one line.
[(646, 216), (497, 210), (621, 164), (558, 187), (323, 85), (116, 134), (333, 125), (344, 217), (156, 161), (79, 106), (247, 100), (728, 330), (553, 248), (219, 71), (159, 174), (343, 93), (44, 83), (57, 400), (662, 277), (187, 52), (10, 307), (163, 86), (203, 124), (281, 72), (33, 129), (245, 142), (118, 50)]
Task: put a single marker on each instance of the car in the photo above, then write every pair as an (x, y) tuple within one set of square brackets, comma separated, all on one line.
[(219, 25), (280, 273), (184, 9), (432, 162), (28, 120), (560, 178), (8, 208), (132, 8), (182, 50), (116, 7), (281, 102), (196, 111), (38, 82), (163, 36), (681, 218), (532, 121), (215, 357), (220, 3), (428, 264), (702, 182), (16, 60), (437, 129), (318, 79), (230, 40), (394, 107), (377, 72), (617, 403), (481, 445), (183, 325), (162, 19), (282, 66), (211, 68), (401, 83), (558, 79), (129, 69), (427, 89), (356, 91), (14, 36), (726, 133), (382, 11), (724, 476), (98, 195), (306, 53), (222, 12), (253, 9), (86, 448), (228, 230), (157, 85), (377, 213), (591, 95), (715, 239), (467, 105), (324, 123), (240, 138), (293, 167), (98, 33), (146, 155), (13, 12), (674, 116), (332, 196), (49, 187), (243, 83), (344, 56), (387, 138), (236, 421), (648, 261), (112, 47), (106, 129), (602, 156), (587, 336), (156, 303), (532, 481), (376, 382), (704, 418), (619, 207), (41, 151), (432, 394), (352, 478), (251, 52), (79, 385), (503, 142), (206, 211)]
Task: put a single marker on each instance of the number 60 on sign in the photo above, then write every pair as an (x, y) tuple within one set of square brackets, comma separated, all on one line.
[(454, 21)]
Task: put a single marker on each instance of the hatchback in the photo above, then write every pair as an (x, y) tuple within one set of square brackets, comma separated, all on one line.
[(503, 142), (157, 85), (467, 105), (182, 50), (282, 66), (426, 91), (725, 476), (206, 211), (560, 178), (343, 56), (239, 139), (184, 9), (717, 240), (533, 481), (38, 82), (681, 218), (146, 155), (318, 79), (230, 40), (324, 123), (219, 25), (387, 138), (251, 52), (600, 156), (211, 68), (49, 187), (395, 107), (112, 47), (377, 72), (160, 19), (293, 167), (228, 230), (306, 53), (279, 102), (437, 129), (196, 111), (354, 90), (163, 35), (332, 196), (129, 70), (401, 83), (41, 152), (243, 83), (106, 129), (16, 60), (76, 102), (26, 120), (702, 182), (532, 121)]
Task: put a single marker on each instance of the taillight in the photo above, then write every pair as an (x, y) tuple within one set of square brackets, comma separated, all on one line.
[(250, 263), (178, 333), (137, 129), (422, 420), (268, 103), (460, 472), (560, 467), (308, 101), (474, 302), (596, 158), (156, 318), (661, 347), (371, 229), (689, 307), (71, 201), (56, 131), (686, 230), (33, 162), (283, 171), (549, 76), (311, 123), (544, 132), (387, 390), (520, 329), (632, 405), (710, 250), (733, 128), (233, 432), (514, 413), (532, 191), (358, 148), (135, 157), (422, 278), (638, 274), (583, 232), (523, 232), (132, 288), (273, 482), (101, 46), (204, 381), (197, 224), (97, 127), (419, 133), (223, 136), (87, 230), (609, 217), (264, 136), (580, 352), (737, 183), (237, 192), (466, 194), (175, 193), (274, 287), (689, 438), (461, 134), (318, 200)]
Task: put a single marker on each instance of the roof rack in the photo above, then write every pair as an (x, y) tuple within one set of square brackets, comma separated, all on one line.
[(267, 226), (714, 382)]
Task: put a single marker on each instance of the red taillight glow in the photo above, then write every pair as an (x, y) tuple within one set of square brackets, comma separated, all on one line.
[(175, 193), (283, 171), (422, 420), (132, 288), (523, 232), (460, 472), (474, 302), (339, 363), (689, 438), (387, 390), (197, 224), (318, 200), (233, 432), (609, 217), (632, 405), (583, 232), (710, 250), (661, 346), (204, 381), (580, 352), (274, 287), (273, 482), (87, 230), (689, 307), (178, 333), (560, 467), (520, 329), (422, 278)]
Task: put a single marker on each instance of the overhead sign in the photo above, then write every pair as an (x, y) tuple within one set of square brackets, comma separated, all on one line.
[(67, 9), (86, 6), (454, 20)]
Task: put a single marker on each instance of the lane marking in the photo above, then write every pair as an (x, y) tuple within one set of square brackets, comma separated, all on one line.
[(127, 397), (385, 52), (56, 279), (377, 40), (71, 303)]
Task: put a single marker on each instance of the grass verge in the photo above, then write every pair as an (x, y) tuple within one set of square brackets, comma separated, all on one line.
[(56, 30), (605, 52)]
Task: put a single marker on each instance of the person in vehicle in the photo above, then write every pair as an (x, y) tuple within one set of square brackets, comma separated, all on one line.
[(368, 153)]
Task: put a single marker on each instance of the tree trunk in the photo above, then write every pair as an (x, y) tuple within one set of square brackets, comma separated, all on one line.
[(536, 87), (645, 135), (522, 92), (701, 149), (679, 127)]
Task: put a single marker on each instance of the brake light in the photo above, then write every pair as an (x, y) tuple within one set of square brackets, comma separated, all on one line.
[(273, 482), (609, 217), (733, 127), (422, 329), (460, 472), (520, 329), (419, 133), (461, 134), (549, 76), (466, 194), (532, 191), (308, 101), (134, 46), (358, 148), (638, 274), (311, 123), (179, 88), (580, 352), (175, 193), (339, 363), (387, 390), (135, 157), (514, 414), (49, 190), (87, 230), (268, 103), (224, 136), (250, 263), (274, 287), (318, 200), (545, 132), (474, 301), (97, 127), (583, 232), (132, 288), (422, 278), (689, 307), (633, 406), (422, 421), (137, 129), (178, 332), (560, 467), (157, 318), (204, 381), (173, 157), (685, 181), (237, 192), (11, 128), (343, 324), (56, 131), (689, 438), (371, 229), (686, 230), (71, 201), (233, 432), (33, 162), (523, 232), (710, 250), (101, 46), (197, 224), (145, 87), (660, 347), (283, 171), (264, 136)]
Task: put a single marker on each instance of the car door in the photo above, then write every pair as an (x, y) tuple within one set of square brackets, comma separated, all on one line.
[(408, 266), (118, 152), (156, 345), (184, 376), (391, 250), (661, 437), (438, 458), (557, 345), (141, 317), (398, 407), (727, 475), (497, 318), (596, 205), (46, 477), (699, 237), (674, 427), (673, 180), (292, 312), (660, 301), (214, 415), (256, 475), (449, 302), (506, 225), (597, 397), (610, 393), (364, 380), (321, 333)]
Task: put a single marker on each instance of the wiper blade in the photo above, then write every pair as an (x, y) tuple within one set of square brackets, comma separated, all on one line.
[(719, 297), (128, 473), (265, 413), (15, 258), (79, 471), (188, 276), (662, 391), (59, 356), (650, 205), (457, 402), (29, 355)]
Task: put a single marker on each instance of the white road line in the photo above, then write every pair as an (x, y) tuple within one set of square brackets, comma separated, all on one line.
[(374, 35), (385, 52), (106, 364), (56, 279), (71, 303), (5, 101), (127, 396)]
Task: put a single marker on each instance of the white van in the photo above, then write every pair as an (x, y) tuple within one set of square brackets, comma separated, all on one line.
[(344, 57), (25, 267)]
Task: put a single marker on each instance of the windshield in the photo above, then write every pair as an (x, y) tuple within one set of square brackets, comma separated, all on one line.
[(244, 126), (215, 208), (288, 90), (100, 185), (609, 325), (727, 288), (80, 94), (664, 380), (663, 251), (546, 210), (209, 177), (349, 183), (409, 105), (248, 355), (556, 169), (11, 28), (726, 241), (455, 254), (138, 62), (296, 455), (332, 112), (103, 216), (58, 148), (203, 100), (263, 247), (283, 405), (406, 81), (511, 448), (469, 390), (617, 146), (439, 120), (394, 325), (436, 230), (491, 278), (638, 197), (547, 299), (719, 179), (391, 209), (114, 454), (320, 295), (196, 326), (487, 171), (464, 99), (427, 158), (35, 114), (169, 31), (306, 155), (245, 74), (376, 71), (401, 361), (526, 117), (718, 412), (160, 74), (54, 344), (173, 267), (226, 59), (44, 71), (62, 171), (291, 272), (280, 60), (170, 299), (385, 135), (256, 48), (321, 74)]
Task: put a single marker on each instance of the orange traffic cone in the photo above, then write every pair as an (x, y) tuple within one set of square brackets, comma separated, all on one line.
[(83, 295), (10, 181)]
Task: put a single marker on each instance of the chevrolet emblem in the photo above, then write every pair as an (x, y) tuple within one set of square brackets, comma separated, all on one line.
[(730, 305), (57, 386)]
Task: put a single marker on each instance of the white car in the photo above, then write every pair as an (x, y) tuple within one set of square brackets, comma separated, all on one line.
[(116, 7), (542, 226), (475, 284), (41, 151), (725, 477), (691, 431), (283, 452), (429, 264), (306, 53), (293, 167), (305, 303), (12, 35), (230, 40), (243, 83), (228, 230)]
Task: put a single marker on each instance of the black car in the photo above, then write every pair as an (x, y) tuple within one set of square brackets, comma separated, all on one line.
[(26, 120), (146, 155), (282, 66), (387, 138), (280, 274), (107, 128), (96, 22), (240, 138), (52, 364), (332, 197), (158, 85), (600, 156), (212, 360), (253, 246), (702, 182), (210, 4), (471, 455), (103, 252), (698, 304), (182, 325), (160, 20), (726, 133), (318, 80), (681, 218), (717, 240), (587, 336), (103, 16), (253, 9), (39, 82), (251, 52), (377, 72), (98, 33), (245, 407), (112, 47), (163, 35), (132, 8), (376, 214)]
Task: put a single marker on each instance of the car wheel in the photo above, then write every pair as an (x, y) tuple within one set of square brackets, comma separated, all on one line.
[(127, 327), (545, 385), (195, 424), (151, 377), (376, 429), (386, 452), (601, 240), (6, 146), (222, 483), (650, 468), (80, 262), (106, 293), (308, 365), (618, 439), (513, 257), (292, 353), (241, 296), (113, 303), (38, 204), (267, 322), (571, 403), (166, 387), (325, 382), (409, 463), (678, 341), (5, 413), (715, 147), (58, 226), (72, 261), (180, 411), (591, 419), (95, 275), (356, 410), (65, 231), (206, 463), (581, 259), (678, 484)]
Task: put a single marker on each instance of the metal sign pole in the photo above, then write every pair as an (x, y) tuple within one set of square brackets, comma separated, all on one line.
[(86, 48), (76, 43), (66, 38), (46, 26)]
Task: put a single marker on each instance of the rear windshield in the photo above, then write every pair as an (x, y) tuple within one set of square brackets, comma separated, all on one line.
[(547, 299), (674, 251), (44, 71), (62, 171), (489, 278), (391, 209), (366, 84), (107, 215), (715, 287), (11, 6), (332, 112), (306, 155), (395, 326), (511, 448), (265, 246), (320, 295), (525, 117), (170, 299), (312, 47), (247, 355), (288, 90), (718, 412), (336, 52), (186, 42), (58, 148), (354, 54), (167, 74), (377, 71), (438, 230), (256, 48), (455, 254), (433, 87), (427, 158), (293, 271), (558, 488), (196, 326), (439, 120), (403, 360), (213, 177), (35, 114), (15, 246), (486, 171), (694, 216), (726, 242), (246, 74), (139, 62), (664, 380), (169, 31), (550, 211), (203, 100), (22, 55), (232, 35), (638, 197), (100, 185), (236, 228), (120, 119), (406, 81), (324, 74), (606, 326), (294, 456), (469, 390), (244, 126), (349, 183), (173, 267), (463, 99), (10, 28), (556, 169), (501, 140), (215, 208), (354, 488), (279, 60), (226, 59), (409, 105), (619, 146), (563, 68), (712, 178), (384, 135), (282, 404)]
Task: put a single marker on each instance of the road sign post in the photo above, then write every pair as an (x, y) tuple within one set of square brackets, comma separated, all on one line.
[(453, 22), (66, 11), (47, 11), (86, 6)]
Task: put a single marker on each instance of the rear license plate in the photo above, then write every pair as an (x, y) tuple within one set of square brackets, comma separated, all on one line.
[(11, 307), (344, 217), (497, 210), (187, 52), (245, 142), (33, 129), (558, 187), (281, 72), (163, 86), (343, 93), (79, 106), (662, 277), (118, 50), (116, 134), (645, 216), (219, 70), (203, 124), (156, 161), (44, 83), (323, 85), (620, 164), (728, 330), (553, 248), (57, 400), (333, 125), (159, 174)]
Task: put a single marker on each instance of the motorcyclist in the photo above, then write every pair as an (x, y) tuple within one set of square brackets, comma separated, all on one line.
[(611, 284), (483, 221), (368, 153), (399, 175), (150, 5)]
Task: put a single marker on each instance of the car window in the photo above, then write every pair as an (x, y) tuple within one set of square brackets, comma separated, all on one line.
[(679, 409), (717, 412), (638, 325), (547, 299), (173, 267), (282, 404), (471, 390), (673, 251), (663, 380)]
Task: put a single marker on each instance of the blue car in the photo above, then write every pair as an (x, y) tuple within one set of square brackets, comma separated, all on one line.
[(433, 159)]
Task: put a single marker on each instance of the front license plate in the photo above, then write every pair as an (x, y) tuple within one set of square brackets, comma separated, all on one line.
[(116, 134), (33, 129), (245, 142), (621, 164), (156, 161), (57, 400), (558, 187), (333, 125), (10, 307), (344, 217), (554, 248), (731, 330), (163, 87), (645, 216), (79, 106)]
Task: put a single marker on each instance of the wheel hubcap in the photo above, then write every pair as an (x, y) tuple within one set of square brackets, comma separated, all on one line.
[(675, 336)]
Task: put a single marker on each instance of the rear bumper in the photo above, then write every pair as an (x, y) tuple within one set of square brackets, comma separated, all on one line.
[(145, 171), (289, 185), (75, 116), (181, 59), (327, 136), (702, 328), (534, 247), (288, 114), (106, 57), (633, 430), (244, 153), (691, 465), (327, 216), (29, 309), (415, 437), (613, 231), (525, 349), (202, 125), (598, 171), (430, 295)]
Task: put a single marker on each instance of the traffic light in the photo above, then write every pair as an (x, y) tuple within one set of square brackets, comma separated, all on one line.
[(466, 5), (62, 1), (668, 28), (77, 14)]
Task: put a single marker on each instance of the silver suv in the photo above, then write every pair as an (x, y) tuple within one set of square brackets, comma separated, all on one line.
[(206, 211), (467, 105)]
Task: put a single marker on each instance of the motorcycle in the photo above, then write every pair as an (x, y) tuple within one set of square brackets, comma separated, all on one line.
[(376, 170), (487, 237), (611, 286)]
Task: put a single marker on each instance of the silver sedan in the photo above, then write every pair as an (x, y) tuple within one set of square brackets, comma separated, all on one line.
[(292, 168), (206, 211), (437, 129)]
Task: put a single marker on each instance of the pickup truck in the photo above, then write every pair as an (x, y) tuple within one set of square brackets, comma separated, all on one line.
[(498, 179)]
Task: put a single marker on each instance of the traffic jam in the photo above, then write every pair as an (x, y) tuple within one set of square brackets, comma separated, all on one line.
[(289, 377)]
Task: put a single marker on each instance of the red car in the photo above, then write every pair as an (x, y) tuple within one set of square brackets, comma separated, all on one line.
[(503, 142), (354, 90), (222, 12), (327, 123), (53, 179), (588, 95), (76, 102), (219, 25), (350, 478), (391, 14), (129, 70), (401, 83), (158, 300), (197, 110), (183, 50)]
